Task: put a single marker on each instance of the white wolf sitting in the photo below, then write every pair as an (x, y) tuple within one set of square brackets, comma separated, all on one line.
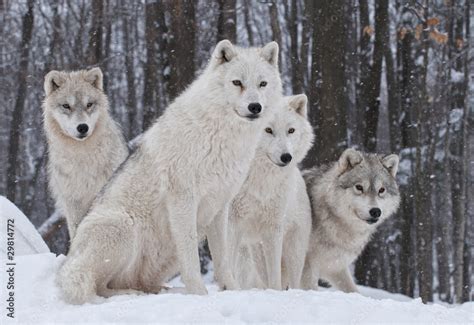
[(178, 184), (85, 145), (271, 216), (349, 199)]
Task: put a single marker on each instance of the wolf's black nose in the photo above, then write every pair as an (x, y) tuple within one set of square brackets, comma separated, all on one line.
[(285, 158), (82, 128), (255, 108), (375, 213)]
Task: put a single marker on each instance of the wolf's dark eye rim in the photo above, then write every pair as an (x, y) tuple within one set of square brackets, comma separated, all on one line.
[(66, 106), (382, 190), (269, 130), (89, 105), (237, 83), (359, 188), (291, 130), (263, 84)]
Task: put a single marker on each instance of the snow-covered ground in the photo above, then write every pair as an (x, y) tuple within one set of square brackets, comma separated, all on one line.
[(37, 300)]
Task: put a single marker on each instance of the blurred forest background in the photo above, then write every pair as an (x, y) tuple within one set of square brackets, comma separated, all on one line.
[(382, 75)]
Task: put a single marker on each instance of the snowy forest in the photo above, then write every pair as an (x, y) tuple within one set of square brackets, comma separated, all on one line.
[(389, 76)]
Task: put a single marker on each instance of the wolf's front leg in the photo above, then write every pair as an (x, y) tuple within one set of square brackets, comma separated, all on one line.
[(343, 280), (217, 237), (183, 226), (272, 249)]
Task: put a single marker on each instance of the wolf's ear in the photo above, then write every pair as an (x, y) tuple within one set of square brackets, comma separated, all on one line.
[(52, 81), (299, 103), (349, 159), (95, 77), (224, 52), (391, 163), (270, 53)]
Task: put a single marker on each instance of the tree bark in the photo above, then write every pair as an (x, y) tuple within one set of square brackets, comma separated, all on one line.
[(227, 21), (181, 47), (17, 115), (328, 97), (94, 50)]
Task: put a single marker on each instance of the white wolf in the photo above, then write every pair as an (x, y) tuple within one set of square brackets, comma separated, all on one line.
[(85, 144), (349, 199), (178, 184), (272, 211)]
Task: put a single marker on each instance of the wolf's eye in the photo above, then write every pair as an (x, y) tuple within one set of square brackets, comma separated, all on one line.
[(263, 84), (382, 190), (360, 188), (89, 105), (237, 83), (269, 130), (291, 130), (66, 106)]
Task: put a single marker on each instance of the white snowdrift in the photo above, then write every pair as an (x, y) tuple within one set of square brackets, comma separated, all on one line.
[(37, 300), (26, 237)]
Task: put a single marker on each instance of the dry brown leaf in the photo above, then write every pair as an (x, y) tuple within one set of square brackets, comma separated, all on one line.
[(433, 21), (368, 30), (418, 31), (438, 37), (459, 43)]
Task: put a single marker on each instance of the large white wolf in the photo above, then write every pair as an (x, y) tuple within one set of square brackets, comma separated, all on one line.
[(349, 199), (178, 184), (271, 216), (85, 145)]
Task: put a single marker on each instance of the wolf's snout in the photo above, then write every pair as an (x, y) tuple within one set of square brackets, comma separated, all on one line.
[(374, 215), (255, 108), (82, 128), (286, 158), (375, 212)]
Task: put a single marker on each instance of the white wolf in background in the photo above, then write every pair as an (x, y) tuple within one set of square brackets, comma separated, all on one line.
[(85, 145), (270, 218), (178, 184), (349, 199)]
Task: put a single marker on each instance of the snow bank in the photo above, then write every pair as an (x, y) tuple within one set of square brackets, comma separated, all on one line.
[(37, 300), (27, 240)]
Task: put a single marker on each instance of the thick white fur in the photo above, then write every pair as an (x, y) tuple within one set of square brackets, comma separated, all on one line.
[(177, 186), (270, 218), (340, 213), (79, 168)]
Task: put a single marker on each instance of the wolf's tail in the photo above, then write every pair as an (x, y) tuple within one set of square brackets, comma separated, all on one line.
[(77, 285)]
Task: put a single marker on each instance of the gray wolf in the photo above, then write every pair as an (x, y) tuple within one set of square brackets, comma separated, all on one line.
[(177, 186), (350, 198), (85, 145), (270, 218)]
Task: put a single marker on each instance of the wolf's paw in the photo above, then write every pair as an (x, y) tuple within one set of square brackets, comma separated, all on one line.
[(197, 289)]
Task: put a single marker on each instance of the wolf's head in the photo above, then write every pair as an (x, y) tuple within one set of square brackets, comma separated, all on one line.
[(75, 100), (366, 186), (289, 135), (247, 77)]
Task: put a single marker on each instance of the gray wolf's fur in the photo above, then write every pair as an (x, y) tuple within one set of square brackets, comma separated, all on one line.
[(270, 218), (79, 165), (177, 186), (342, 195)]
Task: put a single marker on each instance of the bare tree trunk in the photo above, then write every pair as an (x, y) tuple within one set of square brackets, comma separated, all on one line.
[(130, 72), (181, 46), (150, 83), (275, 25), (94, 50), (227, 21), (328, 82), (368, 267), (17, 115)]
